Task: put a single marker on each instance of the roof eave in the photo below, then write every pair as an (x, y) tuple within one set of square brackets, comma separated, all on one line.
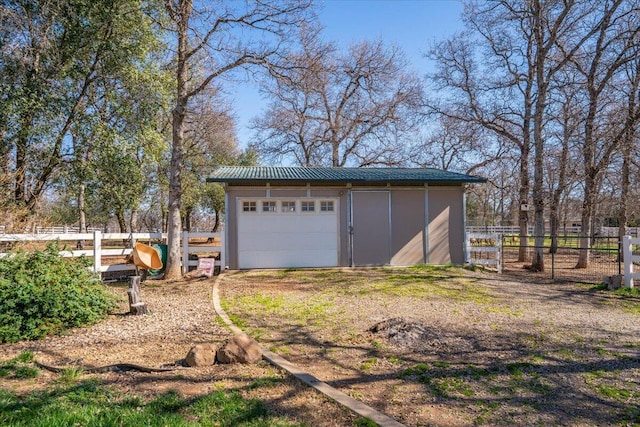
[(262, 181)]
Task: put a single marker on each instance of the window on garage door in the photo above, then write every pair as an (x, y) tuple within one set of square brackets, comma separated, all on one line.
[(249, 206), (288, 206), (269, 206), (326, 206), (308, 206)]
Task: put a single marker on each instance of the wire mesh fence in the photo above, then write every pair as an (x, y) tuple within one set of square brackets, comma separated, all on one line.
[(560, 265)]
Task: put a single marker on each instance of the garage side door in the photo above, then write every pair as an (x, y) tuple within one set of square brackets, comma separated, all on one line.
[(282, 233), (371, 228)]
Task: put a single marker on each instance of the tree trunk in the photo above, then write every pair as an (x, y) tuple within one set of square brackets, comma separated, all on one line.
[(133, 221), (538, 139), (523, 215), (162, 202), (627, 146), (20, 167), (537, 262), (554, 205), (122, 223), (586, 221), (216, 224), (624, 192), (172, 269), (174, 227), (187, 219)]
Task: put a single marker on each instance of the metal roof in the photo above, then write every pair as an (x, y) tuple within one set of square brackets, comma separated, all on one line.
[(263, 174)]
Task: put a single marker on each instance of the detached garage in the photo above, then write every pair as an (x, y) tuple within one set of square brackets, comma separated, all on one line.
[(280, 217)]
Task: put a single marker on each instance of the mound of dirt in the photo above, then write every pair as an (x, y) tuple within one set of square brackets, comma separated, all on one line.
[(417, 336)]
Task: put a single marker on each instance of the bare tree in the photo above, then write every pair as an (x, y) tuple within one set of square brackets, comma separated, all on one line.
[(526, 44), (219, 40), (564, 124), (599, 64), (629, 139), (496, 94), (552, 27), (210, 141), (339, 109)]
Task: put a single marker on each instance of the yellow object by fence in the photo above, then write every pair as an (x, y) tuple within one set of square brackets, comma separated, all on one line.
[(146, 257)]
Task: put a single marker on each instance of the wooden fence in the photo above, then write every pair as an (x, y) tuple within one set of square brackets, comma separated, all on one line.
[(105, 245)]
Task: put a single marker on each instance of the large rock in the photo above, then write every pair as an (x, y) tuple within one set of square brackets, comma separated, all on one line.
[(241, 348), (201, 355)]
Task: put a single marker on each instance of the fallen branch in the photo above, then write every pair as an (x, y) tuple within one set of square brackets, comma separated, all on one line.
[(116, 367)]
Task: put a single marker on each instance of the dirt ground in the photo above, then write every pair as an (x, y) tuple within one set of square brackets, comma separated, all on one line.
[(489, 350), (477, 348)]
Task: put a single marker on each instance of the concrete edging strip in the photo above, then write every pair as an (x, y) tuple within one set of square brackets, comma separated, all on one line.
[(324, 388)]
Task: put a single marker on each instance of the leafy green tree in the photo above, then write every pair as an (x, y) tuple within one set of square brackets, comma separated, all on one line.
[(57, 59), (120, 181), (210, 142)]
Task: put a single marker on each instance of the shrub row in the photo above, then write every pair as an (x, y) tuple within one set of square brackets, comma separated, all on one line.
[(42, 293)]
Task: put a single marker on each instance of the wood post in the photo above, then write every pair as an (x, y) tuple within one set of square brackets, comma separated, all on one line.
[(97, 251), (136, 306)]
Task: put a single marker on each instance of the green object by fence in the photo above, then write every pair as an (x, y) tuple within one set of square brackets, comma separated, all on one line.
[(161, 248)]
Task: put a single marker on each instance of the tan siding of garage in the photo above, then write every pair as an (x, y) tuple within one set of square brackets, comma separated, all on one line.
[(371, 231), (446, 225), (407, 227)]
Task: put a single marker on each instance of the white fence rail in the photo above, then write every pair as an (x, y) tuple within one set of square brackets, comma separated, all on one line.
[(63, 229), (484, 249), (98, 251), (514, 229), (629, 260), (563, 231)]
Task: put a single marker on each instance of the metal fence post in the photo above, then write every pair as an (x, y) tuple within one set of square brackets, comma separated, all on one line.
[(185, 252), (499, 253), (628, 264), (619, 257)]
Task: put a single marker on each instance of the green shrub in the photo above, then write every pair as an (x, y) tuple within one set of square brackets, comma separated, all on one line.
[(42, 293)]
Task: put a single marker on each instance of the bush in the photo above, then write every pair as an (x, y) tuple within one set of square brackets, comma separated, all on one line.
[(42, 293)]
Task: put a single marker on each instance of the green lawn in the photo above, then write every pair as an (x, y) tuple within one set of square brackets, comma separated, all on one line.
[(88, 403), (75, 399)]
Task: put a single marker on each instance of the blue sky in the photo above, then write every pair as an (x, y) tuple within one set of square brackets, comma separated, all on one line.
[(411, 24)]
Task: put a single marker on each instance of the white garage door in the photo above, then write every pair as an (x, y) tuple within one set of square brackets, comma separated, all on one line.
[(281, 233)]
